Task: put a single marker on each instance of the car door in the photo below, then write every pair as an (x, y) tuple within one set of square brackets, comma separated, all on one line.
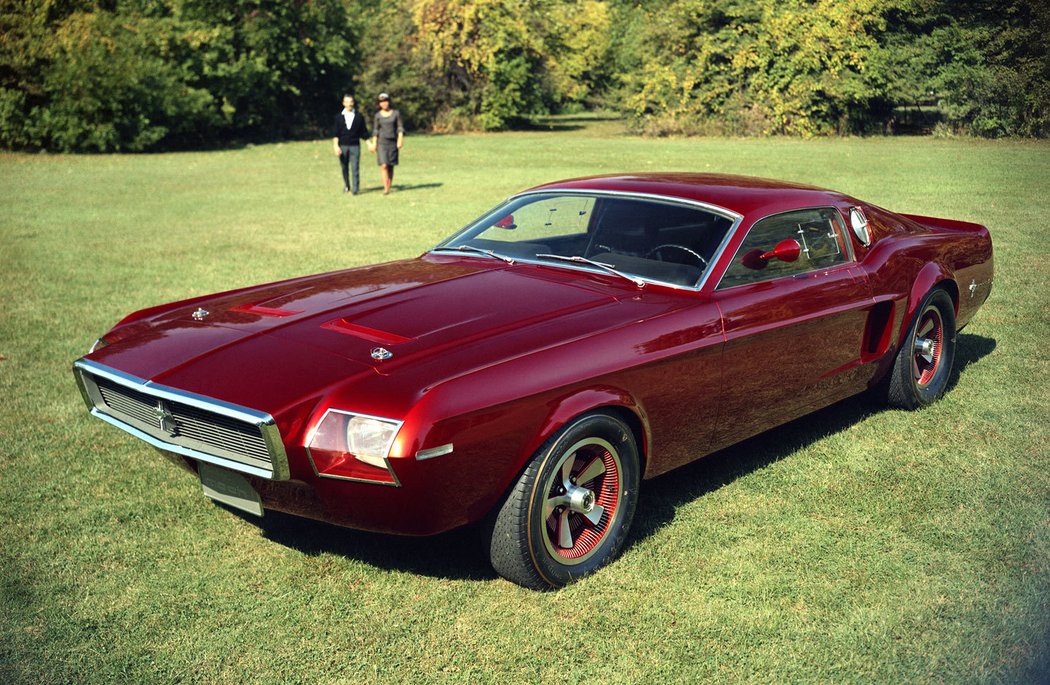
[(794, 310)]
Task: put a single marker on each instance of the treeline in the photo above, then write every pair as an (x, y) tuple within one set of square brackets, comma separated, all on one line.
[(142, 74), (102, 75), (805, 67)]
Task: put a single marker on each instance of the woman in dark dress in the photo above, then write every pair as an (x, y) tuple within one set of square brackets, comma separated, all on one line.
[(388, 137)]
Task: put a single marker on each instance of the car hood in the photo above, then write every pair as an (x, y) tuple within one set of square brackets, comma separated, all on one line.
[(269, 346)]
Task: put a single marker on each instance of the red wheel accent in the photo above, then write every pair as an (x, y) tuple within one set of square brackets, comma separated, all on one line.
[(931, 330), (591, 469), (569, 513)]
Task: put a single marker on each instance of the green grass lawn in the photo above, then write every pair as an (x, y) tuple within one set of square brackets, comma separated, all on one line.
[(855, 545)]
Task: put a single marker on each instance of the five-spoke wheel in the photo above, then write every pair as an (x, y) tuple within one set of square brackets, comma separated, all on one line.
[(570, 510), (927, 345), (583, 492), (923, 365)]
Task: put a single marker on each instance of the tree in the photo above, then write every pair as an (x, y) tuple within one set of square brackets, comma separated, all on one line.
[(141, 74), (488, 56), (489, 64), (777, 66), (984, 63)]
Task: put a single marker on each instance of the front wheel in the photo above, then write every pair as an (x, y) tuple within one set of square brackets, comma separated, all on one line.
[(924, 362), (570, 510)]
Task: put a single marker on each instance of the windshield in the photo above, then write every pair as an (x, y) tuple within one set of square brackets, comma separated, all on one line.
[(655, 240)]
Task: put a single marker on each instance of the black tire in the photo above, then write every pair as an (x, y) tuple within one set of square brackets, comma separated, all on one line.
[(546, 534), (921, 369)]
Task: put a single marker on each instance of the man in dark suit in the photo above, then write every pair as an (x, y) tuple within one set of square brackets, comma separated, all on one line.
[(348, 131)]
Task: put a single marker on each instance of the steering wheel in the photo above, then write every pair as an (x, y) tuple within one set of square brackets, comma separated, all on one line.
[(683, 248)]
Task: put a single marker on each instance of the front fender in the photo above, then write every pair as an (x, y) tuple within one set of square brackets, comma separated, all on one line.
[(582, 401)]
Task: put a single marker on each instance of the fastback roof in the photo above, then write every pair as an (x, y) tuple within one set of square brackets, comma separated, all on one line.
[(744, 195)]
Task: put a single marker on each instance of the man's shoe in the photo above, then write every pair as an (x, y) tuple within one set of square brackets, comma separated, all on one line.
[(346, 189)]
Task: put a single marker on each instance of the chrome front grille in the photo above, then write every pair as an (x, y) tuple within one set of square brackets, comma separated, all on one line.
[(192, 425), (129, 402), (221, 431)]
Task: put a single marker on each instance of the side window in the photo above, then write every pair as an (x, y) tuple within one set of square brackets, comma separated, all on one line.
[(818, 233)]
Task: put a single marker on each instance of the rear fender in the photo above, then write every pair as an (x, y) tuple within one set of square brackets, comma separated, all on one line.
[(930, 276)]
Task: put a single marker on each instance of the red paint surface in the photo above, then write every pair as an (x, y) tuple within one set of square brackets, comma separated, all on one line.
[(494, 358), (264, 311), (364, 332)]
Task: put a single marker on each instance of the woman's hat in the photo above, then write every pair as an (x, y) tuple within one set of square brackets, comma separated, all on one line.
[(383, 96)]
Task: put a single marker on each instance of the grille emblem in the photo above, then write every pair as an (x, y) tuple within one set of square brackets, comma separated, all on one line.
[(381, 354), (200, 314), (165, 419)]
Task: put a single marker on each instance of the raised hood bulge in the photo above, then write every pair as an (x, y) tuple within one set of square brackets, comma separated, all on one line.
[(416, 308), (447, 314)]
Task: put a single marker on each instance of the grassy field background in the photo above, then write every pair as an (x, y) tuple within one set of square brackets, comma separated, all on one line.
[(856, 545)]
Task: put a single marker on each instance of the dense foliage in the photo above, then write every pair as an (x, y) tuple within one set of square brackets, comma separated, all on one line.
[(487, 64), (820, 66), (143, 74), (746, 67), (984, 63), (133, 74)]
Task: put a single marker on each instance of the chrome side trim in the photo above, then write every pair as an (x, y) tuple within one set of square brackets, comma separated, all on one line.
[(714, 209), (717, 256), (434, 452), (82, 368), (82, 387)]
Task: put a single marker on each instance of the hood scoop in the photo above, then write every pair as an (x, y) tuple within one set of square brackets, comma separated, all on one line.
[(364, 332), (259, 310)]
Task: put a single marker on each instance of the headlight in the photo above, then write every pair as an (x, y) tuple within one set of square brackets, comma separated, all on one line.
[(369, 439), (351, 446)]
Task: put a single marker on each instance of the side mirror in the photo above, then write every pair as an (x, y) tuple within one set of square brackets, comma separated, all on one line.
[(786, 250), (506, 222)]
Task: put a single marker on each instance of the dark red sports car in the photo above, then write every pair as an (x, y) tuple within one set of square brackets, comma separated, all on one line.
[(531, 369)]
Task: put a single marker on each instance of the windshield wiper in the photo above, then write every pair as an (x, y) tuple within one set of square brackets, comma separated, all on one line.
[(590, 262), (471, 248)]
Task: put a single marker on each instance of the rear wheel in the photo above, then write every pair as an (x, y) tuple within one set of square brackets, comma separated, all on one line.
[(570, 511), (924, 362)]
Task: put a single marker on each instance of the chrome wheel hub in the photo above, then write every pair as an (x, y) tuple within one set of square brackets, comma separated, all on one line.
[(924, 348), (581, 500)]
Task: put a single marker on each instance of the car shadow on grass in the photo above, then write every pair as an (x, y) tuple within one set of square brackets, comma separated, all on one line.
[(456, 555), (968, 349), (460, 554)]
